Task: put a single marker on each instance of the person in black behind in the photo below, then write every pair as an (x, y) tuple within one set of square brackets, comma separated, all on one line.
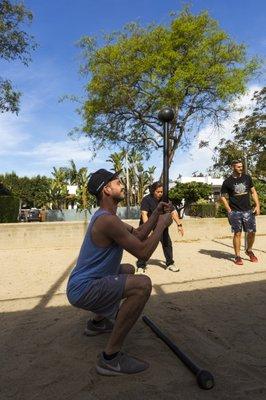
[(240, 214), (148, 205)]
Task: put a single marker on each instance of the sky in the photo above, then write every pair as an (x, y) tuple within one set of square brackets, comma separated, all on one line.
[(37, 139)]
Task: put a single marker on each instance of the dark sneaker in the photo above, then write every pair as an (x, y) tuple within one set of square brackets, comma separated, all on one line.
[(120, 365), (141, 266), (238, 260), (104, 326), (172, 267), (252, 256)]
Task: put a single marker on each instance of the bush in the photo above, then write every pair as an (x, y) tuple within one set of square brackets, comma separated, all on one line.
[(9, 208), (202, 210), (221, 212), (261, 189)]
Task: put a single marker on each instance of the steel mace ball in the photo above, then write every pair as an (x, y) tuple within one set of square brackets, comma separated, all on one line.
[(166, 114), (205, 379)]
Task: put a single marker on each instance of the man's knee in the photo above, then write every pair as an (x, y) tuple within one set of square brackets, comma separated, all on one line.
[(251, 234), (127, 269), (237, 234), (145, 285)]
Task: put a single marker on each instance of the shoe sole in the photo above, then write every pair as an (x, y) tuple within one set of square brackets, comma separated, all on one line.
[(109, 372), (87, 332), (175, 270)]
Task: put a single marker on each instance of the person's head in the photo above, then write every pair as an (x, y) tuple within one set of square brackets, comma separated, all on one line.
[(237, 166), (156, 190), (105, 184)]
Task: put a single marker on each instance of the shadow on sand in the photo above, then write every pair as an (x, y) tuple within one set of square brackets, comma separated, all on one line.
[(45, 356), (217, 254)]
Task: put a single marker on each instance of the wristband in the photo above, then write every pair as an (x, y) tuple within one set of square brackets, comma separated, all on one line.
[(179, 225)]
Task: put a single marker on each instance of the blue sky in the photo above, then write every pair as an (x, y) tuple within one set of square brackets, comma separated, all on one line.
[(37, 139)]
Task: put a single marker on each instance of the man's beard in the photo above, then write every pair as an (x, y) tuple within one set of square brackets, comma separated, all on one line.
[(119, 198)]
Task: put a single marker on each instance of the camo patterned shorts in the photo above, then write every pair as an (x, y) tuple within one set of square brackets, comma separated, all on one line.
[(242, 220)]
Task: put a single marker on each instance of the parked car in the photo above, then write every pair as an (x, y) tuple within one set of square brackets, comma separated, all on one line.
[(34, 215), (23, 215)]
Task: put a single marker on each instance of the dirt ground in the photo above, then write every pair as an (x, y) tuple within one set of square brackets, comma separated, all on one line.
[(212, 309)]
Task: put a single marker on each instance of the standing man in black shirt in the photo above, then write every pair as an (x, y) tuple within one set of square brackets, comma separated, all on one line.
[(240, 214), (148, 205)]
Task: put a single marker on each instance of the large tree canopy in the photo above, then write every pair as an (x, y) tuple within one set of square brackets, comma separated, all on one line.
[(249, 141), (191, 65), (15, 44)]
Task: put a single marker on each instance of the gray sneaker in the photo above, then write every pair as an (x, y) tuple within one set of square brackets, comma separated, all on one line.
[(105, 326), (120, 365), (172, 268)]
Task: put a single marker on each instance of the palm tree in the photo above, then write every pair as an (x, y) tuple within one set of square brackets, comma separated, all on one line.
[(117, 160), (141, 178), (72, 173), (58, 191)]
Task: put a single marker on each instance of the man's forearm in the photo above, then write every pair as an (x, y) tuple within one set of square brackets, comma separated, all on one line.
[(225, 203), (256, 199), (150, 244), (143, 230)]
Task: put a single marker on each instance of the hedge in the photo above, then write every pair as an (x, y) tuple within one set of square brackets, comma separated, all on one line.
[(9, 208), (202, 210)]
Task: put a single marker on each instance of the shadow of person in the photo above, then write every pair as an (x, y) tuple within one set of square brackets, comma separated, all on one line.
[(217, 254), (158, 263)]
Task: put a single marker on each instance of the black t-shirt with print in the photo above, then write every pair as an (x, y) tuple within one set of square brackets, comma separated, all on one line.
[(238, 190), (149, 204)]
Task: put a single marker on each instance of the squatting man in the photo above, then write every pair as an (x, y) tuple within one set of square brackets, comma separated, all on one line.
[(99, 281)]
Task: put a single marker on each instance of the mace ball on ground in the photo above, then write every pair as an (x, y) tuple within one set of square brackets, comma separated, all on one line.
[(205, 379)]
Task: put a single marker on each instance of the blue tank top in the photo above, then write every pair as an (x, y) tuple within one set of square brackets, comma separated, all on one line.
[(93, 262)]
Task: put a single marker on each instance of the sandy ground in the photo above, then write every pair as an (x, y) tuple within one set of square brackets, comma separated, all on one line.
[(212, 309)]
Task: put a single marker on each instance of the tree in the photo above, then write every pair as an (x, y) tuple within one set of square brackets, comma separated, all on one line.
[(249, 140), (15, 44), (58, 191), (84, 200), (190, 192), (4, 191), (191, 65), (33, 192), (139, 178)]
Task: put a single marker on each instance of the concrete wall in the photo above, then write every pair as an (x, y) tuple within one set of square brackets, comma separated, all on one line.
[(70, 234)]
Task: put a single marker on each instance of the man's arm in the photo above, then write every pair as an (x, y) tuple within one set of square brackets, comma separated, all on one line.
[(255, 197), (117, 231), (223, 199), (225, 203)]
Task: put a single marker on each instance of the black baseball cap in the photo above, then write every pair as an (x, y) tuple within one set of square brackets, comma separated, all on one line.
[(99, 179)]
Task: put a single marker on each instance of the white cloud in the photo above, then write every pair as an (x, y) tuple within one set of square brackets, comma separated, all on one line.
[(59, 152), (27, 145)]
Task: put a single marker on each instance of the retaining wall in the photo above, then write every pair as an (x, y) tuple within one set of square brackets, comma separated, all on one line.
[(70, 234)]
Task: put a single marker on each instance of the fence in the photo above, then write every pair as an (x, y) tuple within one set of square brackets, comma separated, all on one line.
[(74, 215)]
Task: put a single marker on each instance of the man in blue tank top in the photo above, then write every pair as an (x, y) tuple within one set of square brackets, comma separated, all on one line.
[(99, 281)]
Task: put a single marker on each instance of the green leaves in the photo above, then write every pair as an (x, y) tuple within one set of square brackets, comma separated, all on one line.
[(191, 65), (190, 192), (249, 140), (15, 44)]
